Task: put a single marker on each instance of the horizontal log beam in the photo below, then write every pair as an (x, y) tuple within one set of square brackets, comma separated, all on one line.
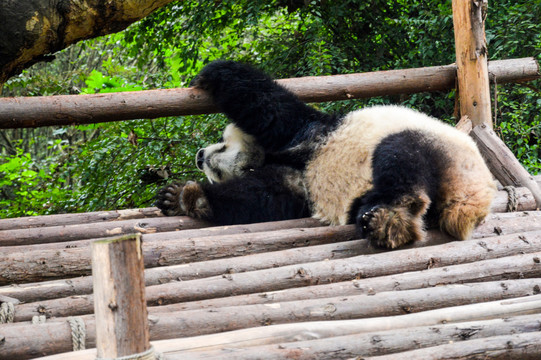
[(34, 263), (512, 347), (504, 268), (94, 108), (26, 266), (430, 306), (28, 222)]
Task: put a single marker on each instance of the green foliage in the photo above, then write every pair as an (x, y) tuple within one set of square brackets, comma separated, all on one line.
[(122, 164), (28, 187)]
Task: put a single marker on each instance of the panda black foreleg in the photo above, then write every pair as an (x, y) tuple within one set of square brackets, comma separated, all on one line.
[(259, 196), (257, 104), (406, 176)]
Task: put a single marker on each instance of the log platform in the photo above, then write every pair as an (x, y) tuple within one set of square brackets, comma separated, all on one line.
[(282, 290)]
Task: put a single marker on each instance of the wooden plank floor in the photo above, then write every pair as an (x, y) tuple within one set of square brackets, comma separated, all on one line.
[(292, 289)]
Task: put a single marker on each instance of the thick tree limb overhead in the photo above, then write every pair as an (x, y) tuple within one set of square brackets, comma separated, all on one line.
[(33, 29)]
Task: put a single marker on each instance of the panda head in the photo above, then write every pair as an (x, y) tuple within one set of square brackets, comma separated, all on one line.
[(235, 155)]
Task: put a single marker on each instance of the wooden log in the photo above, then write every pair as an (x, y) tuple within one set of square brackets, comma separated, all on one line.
[(84, 109), (502, 163), (374, 343), (97, 230), (55, 289), (512, 267), (369, 343), (520, 200), (119, 290), (514, 346), (509, 267), (508, 223), (21, 340), (26, 266), (471, 59), (73, 219)]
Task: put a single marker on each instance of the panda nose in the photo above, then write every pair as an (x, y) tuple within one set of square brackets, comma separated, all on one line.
[(200, 159)]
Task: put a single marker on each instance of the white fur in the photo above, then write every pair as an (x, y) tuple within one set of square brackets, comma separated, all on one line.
[(341, 170), (236, 154)]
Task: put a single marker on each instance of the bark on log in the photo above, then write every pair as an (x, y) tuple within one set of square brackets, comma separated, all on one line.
[(97, 230), (27, 266), (348, 346), (517, 346), (84, 109), (119, 290), (55, 289), (510, 267), (471, 59), (502, 163), (33, 29), (22, 341), (73, 219), (375, 343)]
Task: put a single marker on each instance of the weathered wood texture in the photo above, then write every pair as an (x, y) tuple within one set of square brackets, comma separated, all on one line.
[(28, 264), (77, 219), (68, 229), (374, 343), (502, 163), (471, 59), (22, 339), (32, 265), (96, 230), (187, 295), (516, 346), (119, 292), (346, 346), (82, 109), (31, 30)]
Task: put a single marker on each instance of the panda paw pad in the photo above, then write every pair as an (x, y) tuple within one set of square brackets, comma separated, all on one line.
[(168, 200), (176, 199), (388, 227)]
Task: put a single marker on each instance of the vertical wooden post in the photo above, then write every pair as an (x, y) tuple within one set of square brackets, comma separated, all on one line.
[(119, 297), (471, 60)]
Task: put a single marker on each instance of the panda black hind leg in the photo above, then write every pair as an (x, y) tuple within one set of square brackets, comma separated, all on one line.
[(407, 170), (257, 104)]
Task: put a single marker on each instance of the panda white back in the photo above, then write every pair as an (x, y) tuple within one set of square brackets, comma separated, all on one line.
[(341, 169)]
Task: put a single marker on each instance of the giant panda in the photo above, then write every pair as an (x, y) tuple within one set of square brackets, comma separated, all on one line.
[(390, 170)]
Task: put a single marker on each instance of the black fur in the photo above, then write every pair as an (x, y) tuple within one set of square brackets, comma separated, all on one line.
[(261, 107), (259, 196), (408, 166), (403, 163)]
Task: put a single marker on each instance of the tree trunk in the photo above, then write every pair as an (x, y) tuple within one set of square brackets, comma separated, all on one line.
[(31, 30)]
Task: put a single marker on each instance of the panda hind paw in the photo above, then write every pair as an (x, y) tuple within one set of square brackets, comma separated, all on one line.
[(389, 227)]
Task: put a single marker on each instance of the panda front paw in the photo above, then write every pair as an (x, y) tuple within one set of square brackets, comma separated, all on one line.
[(388, 227), (176, 199), (217, 74)]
